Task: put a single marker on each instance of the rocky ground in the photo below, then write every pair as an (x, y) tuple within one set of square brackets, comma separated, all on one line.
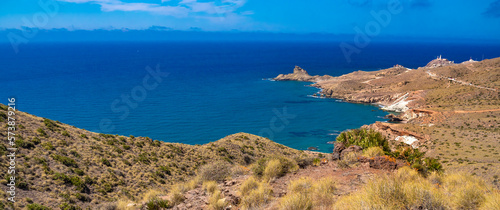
[(348, 180)]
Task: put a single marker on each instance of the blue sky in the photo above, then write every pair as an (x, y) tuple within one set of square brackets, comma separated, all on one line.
[(417, 18)]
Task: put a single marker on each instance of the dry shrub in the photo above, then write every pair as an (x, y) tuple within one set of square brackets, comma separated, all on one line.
[(258, 197), (216, 171), (467, 192), (305, 193), (421, 194), (248, 185), (191, 184), (407, 190), (407, 174), (177, 193), (302, 185), (123, 205), (210, 186), (296, 201), (349, 160), (373, 152), (323, 193), (492, 201), (239, 170), (217, 201), (273, 169), (150, 194)]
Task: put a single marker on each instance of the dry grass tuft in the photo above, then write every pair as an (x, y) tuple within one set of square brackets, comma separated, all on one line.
[(373, 152), (210, 186), (407, 190), (217, 201), (248, 185), (304, 193), (492, 201), (257, 197)]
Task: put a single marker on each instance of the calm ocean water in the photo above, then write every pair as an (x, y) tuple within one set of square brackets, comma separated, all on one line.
[(212, 90)]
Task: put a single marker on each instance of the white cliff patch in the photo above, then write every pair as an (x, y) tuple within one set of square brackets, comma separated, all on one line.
[(400, 105), (410, 140)]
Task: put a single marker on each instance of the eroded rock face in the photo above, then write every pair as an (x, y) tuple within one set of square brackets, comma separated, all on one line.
[(337, 150)]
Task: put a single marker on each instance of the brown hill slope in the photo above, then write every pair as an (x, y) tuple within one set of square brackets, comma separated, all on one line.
[(60, 164)]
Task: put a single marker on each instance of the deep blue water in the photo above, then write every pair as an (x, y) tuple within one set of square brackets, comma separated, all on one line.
[(212, 90)]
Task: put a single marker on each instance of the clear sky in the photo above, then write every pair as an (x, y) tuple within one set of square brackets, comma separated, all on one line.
[(468, 19)]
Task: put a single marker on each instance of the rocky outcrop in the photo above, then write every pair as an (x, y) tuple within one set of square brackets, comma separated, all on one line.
[(339, 147), (382, 162), (300, 74), (438, 62), (394, 118)]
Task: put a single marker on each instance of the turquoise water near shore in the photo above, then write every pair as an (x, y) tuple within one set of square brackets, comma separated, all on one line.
[(212, 89)]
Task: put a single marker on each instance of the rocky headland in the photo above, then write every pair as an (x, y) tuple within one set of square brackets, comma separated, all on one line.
[(441, 103), (300, 74)]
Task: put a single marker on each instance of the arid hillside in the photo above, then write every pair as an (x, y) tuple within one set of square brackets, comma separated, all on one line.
[(59, 164)]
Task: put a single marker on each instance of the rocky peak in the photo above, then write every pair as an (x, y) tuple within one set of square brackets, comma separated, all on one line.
[(298, 70)]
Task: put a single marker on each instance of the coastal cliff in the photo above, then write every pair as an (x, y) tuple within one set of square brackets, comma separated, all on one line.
[(398, 88), (442, 103)]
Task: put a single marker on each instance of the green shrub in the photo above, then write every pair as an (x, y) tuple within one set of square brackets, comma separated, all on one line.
[(407, 153), (24, 144), (65, 160), (364, 138), (3, 116), (157, 204), (42, 132), (65, 133), (432, 164), (316, 161), (36, 140), (78, 171), (48, 146), (67, 206), (106, 162), (36, 206), (51, 125)]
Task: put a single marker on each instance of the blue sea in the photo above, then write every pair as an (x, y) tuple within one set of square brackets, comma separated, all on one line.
[(207, 90)]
